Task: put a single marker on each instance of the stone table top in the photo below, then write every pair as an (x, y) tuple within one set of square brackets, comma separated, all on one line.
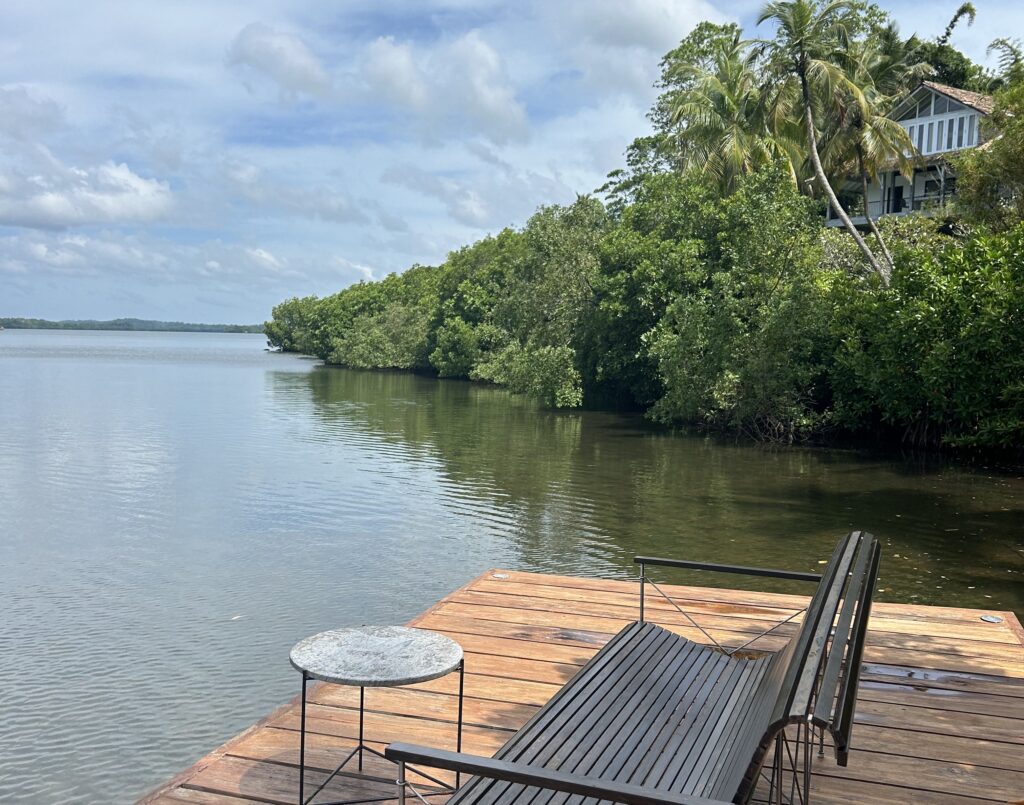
[(376, 656)]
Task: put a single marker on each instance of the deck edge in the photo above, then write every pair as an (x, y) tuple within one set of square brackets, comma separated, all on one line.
[(182, 777)]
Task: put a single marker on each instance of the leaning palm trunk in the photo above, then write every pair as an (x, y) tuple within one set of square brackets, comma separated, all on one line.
[(819, 172), (870, 220)]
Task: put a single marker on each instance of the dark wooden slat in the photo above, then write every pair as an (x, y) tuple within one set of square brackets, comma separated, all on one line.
[(847, 694), (596, 714), (636, 730), (683, 750)]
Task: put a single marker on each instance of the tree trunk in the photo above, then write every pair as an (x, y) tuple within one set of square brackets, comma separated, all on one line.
[(819, 172), (871, 221)]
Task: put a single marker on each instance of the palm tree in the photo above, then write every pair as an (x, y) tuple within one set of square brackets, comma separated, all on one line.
[(721, 118), (883, 69), (967, 11), (1011, 59), (805, 51)]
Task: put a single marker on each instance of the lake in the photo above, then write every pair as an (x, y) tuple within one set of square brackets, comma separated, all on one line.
[(176, 510)]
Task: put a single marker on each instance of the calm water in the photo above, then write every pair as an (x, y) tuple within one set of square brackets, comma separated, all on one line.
[(176, 510)]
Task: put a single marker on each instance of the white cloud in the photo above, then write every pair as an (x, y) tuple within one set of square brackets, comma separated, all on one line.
[(412, 128), (316, 202), (482, 89), (462, 202), (264, 258), (390, 69), (618, 44), (25, 117), (282, 57), (64, 197), (648, 24), (366, 272), (453, 88)]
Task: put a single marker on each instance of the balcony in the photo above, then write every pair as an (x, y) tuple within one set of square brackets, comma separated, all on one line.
[(926, 203)]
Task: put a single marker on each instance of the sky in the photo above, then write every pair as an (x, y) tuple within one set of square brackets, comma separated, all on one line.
[(202, 161)]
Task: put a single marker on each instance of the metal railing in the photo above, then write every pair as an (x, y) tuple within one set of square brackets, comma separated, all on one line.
[(790, 575)]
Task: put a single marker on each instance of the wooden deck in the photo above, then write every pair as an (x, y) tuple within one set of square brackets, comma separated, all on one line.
[(940, 718)]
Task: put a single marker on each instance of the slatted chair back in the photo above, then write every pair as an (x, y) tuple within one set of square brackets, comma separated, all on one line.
[(708, 718), (813, 679)]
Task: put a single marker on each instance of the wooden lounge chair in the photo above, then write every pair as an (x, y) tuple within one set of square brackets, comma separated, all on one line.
[(656, 718)]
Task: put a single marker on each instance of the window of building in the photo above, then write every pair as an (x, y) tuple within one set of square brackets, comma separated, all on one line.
[(970, 130), (960, 132), (931, 131), (941, 104)]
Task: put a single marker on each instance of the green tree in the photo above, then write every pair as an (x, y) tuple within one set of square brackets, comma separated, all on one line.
[(805, 51), (990, 180), (652, 256), (745, 349), (547, 302), (1011, 59), (721, 117), (882, 68), (939, 356)]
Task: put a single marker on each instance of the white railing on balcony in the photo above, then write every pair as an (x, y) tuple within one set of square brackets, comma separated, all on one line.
[(938, 134), (925, 202)]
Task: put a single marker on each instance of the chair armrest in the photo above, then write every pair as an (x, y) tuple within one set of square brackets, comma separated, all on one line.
[(539, 777), (793, 575)]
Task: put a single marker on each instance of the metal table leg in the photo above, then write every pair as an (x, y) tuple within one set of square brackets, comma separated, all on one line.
[(362, 710), (302, 743), (403, 781), (458, 738)]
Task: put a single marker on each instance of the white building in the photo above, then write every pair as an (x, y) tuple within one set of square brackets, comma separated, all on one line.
[(941, 120)]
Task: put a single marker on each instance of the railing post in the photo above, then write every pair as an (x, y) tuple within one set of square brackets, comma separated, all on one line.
[(643, 583), (401, 782)]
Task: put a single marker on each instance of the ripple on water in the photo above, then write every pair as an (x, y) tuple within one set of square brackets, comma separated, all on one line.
[(177, 511)]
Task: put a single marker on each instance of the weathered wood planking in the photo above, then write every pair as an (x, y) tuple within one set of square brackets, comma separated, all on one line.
[(940, 718)]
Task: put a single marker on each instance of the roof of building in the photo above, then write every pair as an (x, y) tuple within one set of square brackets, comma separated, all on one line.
[(975, 100)]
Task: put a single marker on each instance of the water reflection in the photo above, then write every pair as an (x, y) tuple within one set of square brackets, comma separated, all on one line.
[(176, 510), (585, 491)]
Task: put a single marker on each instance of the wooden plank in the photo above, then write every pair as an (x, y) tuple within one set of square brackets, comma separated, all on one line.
[(512, 648), (178, 796), (840, 791), (323, 752), (927, 678), (426, 704), (626, 605), (940, 716), (739, 597), (725, 630), (276, 783), (940, 722), (945, 777), (949, 701), (991, 658), (932, 746), (385, 727)]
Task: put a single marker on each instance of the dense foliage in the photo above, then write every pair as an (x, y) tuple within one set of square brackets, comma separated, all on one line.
[(706, 289)]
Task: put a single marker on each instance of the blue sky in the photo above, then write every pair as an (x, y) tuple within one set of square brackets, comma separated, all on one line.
[(202, 161)]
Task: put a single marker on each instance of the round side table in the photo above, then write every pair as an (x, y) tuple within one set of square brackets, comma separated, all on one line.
[(373, 657)]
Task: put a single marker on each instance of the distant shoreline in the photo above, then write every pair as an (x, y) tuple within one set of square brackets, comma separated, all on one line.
[(127, 325)]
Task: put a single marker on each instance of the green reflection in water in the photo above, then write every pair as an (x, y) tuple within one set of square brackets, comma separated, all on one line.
[(582, 492)]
